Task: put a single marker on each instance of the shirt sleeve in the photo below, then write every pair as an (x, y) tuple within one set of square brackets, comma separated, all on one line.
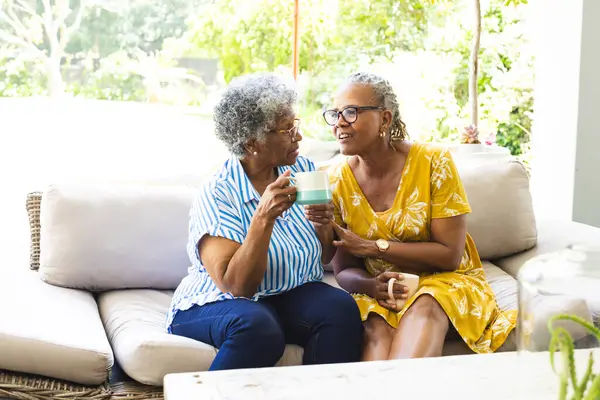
[(214, 212), (448, 196)]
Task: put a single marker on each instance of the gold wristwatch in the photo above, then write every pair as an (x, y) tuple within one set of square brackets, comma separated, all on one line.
[(382, 245)]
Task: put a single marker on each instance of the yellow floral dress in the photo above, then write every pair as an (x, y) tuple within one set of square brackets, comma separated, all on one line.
[(430, 187)]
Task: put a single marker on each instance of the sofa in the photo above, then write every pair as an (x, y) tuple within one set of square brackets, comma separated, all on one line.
[(86, 317)]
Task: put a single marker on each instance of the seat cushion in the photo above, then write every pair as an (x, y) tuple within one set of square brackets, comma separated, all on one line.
[(503, 285), (114, 236), (135, 323), (51, 331), (502, 221)]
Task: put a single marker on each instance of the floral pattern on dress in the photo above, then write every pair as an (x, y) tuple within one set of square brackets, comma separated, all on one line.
[(430, 188)]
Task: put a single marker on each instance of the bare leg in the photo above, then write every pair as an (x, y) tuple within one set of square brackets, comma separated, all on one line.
[(378, 338), (422, 330)]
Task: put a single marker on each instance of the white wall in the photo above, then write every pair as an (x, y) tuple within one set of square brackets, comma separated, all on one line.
[(586, 199), (566, 142)]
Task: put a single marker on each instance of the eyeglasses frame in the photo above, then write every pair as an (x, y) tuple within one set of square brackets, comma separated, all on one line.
[(358, 108), (290, 132)]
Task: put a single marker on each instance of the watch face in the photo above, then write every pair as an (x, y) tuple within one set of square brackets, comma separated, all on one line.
[(382, 244)]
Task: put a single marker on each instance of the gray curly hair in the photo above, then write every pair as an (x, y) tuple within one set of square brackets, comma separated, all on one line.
[(250, 107), (384, 96)]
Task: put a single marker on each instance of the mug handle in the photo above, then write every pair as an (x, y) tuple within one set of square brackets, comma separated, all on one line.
[(391, 289)]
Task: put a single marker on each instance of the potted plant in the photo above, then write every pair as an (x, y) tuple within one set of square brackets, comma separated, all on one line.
[(586, 388), (470, 136)]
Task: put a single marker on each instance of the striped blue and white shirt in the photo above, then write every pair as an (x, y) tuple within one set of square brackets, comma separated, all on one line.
[(224, 207)]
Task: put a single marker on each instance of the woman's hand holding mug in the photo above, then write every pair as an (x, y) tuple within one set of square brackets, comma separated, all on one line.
[(320, 215), (277, 198), (392, 294), (382, 289)]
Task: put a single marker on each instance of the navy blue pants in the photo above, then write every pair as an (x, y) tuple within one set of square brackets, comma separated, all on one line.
[(253, 334)]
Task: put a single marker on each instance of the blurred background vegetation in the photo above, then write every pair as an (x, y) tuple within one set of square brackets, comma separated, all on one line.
[(183, 53)]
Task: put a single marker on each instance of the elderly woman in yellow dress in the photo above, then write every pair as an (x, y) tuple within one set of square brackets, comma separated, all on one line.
[(400, 207)]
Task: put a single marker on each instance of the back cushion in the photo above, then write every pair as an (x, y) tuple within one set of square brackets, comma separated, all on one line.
[(103, 236), (112, 236), (502, 221)]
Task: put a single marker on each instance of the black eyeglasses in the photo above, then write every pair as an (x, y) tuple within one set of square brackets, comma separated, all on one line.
[(349, 114), (293, 131)]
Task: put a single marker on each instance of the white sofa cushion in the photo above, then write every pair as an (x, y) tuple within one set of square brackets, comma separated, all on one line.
[(114, 236), (51, 331), (502, 221), (102, 236), (134, 320)]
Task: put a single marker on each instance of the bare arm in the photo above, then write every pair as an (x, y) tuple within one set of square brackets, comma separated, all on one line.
[(325, 236), (239, 268), (352, 276), (321, 216), (443, 252)]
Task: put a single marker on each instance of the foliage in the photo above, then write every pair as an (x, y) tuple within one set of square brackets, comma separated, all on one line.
[(516, 131), (112, 26), (249, 36), (137, 76), (588, 388), (336, 38), (42, 30), (115, 79), (19, 78), (505, 83), (422, 46), (57, 29)]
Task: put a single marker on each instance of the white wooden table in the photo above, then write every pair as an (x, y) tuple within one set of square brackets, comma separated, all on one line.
[(495, 376)]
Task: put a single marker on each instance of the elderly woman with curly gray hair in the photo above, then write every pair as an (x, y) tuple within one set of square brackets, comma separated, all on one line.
[(255, 283)]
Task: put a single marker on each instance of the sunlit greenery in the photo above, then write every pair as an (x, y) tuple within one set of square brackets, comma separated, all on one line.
[(129, 51)]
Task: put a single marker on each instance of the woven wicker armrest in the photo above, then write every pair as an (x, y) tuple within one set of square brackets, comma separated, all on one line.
[(32, 205), (31, 387), (19, 386)]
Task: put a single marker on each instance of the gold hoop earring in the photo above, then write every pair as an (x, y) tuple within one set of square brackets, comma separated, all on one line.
[(382, 134)]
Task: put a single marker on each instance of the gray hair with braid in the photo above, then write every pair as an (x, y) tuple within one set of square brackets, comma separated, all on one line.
[(385, 96)]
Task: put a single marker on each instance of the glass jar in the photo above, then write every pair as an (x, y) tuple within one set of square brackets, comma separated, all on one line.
[(559, 322)]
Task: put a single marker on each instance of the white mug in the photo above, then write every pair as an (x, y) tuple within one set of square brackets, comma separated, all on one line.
[(311, 187), (410, 281)]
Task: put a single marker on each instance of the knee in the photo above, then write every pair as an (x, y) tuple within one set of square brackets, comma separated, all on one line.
[(427, 307), (376, 328), (344, 311), (260, 331)]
